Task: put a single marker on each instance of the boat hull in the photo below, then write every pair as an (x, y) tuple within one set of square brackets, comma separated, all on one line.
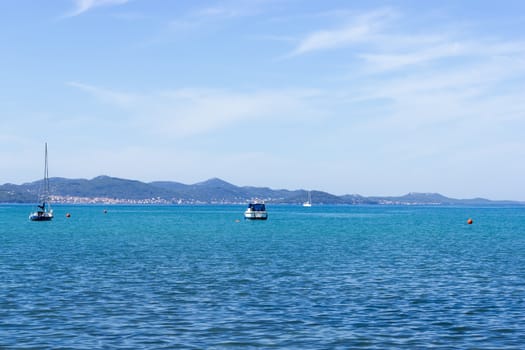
[(41, 217), (255, 215)]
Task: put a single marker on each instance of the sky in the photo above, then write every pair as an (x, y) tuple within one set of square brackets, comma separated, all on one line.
[(348, 97)]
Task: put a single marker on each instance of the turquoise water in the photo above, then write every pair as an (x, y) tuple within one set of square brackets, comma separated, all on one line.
[(146, 277)]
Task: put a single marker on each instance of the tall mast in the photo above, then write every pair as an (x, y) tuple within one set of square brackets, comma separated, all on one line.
[(46, 175)]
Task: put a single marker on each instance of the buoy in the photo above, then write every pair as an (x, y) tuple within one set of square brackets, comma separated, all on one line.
[(68, 215), (469, 221), (237, 220), (105, 211)]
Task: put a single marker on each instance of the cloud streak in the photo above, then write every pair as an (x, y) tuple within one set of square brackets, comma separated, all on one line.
[(82, 6), (360, 29), (380, 43), (329, 39), (188, 112), (392, 61), (109, 96)]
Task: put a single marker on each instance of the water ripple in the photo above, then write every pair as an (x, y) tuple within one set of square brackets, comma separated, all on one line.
[(183, 277)]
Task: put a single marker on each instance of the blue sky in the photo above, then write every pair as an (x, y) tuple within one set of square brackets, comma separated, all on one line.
[(368, 97)]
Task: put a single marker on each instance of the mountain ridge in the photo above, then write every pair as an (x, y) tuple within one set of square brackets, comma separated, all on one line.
[(107, 189)]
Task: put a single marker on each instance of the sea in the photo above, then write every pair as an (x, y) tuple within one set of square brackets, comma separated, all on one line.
[(202, 277)]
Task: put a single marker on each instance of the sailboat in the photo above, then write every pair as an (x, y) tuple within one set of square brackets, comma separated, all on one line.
[(308, 203), (43, 211)]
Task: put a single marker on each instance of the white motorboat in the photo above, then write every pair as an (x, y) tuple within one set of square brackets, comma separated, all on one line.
[(256, 211)]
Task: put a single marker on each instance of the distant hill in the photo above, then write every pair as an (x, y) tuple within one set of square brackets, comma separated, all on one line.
[(106, 189), (104, 186)]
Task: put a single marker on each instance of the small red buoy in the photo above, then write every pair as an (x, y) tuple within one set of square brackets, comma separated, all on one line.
[(68, 215), (469, 221)]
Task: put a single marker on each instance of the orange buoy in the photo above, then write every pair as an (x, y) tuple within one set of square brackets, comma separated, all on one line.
[(469, 221), (68, 215)]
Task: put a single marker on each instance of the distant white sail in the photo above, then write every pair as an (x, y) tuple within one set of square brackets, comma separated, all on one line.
[(308, 203)]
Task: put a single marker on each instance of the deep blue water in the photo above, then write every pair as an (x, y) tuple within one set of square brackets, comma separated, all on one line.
[(148, 277)]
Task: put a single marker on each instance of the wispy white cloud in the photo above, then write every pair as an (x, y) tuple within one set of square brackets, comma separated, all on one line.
[(228, 9), (468, 91), (380, 40), (326, 39), (82, 6), (198, 111), (403, 53), (360, 29), (110, 96), (390, 61), (429, 117), (187, 112), (224, 12), (204, 16)]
